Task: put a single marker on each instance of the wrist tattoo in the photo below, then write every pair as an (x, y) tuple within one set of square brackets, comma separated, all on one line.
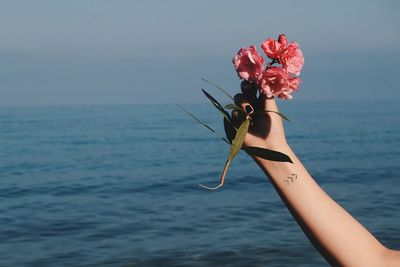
[(290, 179)]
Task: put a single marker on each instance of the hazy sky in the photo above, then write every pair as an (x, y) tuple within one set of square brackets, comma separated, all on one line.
[(111, 52)]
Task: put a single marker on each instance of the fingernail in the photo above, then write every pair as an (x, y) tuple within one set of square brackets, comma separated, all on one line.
[(249, 109)]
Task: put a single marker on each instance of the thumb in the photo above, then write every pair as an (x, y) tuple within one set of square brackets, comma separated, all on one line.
[(268, 103)]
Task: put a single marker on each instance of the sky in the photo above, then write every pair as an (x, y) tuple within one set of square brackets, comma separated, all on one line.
[(126, 52)]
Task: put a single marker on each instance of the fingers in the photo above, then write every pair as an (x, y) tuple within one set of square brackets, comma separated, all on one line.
[(249, 90), (249, 97), (263, 103), (238, 117), (242, 101)]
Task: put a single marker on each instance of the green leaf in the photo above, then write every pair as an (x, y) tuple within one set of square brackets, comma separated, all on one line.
[(276, 112), (235, 148), (212, 99), (231, 106), (237, 142), (238, 117), (267, 154), (230, 131), (280, 114), (205, 125), (218, 87), (217, 105)]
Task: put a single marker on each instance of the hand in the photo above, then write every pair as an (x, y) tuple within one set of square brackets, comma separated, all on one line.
[(266, 129)]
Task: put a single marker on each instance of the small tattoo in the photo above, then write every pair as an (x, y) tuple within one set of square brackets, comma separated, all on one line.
[(291, 178)]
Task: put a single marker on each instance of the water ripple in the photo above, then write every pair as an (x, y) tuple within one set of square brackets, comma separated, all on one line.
[(108, 186)]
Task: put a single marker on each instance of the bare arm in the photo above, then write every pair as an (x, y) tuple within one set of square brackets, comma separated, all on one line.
[(339, 237), (334, 232)]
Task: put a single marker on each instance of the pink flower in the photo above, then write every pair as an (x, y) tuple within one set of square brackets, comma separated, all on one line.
[(282, 40), (276, 81), (273, 81), (273, 48), (292, 58), (293, 85), (248, 63)]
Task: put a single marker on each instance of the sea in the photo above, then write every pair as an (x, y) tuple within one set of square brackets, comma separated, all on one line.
[(117, 185)]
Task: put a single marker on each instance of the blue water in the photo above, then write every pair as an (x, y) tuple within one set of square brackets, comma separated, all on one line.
[(116, 185)]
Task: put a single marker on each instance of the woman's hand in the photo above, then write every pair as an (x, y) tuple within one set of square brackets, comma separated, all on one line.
[(266, 128)]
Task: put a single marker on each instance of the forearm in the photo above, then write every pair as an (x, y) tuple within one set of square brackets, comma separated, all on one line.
[(336, 234)]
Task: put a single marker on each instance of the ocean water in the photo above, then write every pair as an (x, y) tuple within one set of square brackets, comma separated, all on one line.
[(117, 185)]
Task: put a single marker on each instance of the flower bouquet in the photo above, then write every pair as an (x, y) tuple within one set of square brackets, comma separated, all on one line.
[(279, 77)]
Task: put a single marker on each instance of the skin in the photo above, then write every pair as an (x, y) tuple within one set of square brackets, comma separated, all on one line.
[(339, 237)]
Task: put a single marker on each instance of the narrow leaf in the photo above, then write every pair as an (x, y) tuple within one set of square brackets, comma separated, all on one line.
[(219, 87), (230, 131), (280, 114), (217, 105), (276, 112), (235, 148), (237, 142), (205, 125), (267, 154), (231, 106), (212, 99)]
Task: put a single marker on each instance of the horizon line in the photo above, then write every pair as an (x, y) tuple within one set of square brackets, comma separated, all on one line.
[(177, 103)]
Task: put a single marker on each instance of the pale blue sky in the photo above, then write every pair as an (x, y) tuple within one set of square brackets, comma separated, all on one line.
[(117, 52)]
